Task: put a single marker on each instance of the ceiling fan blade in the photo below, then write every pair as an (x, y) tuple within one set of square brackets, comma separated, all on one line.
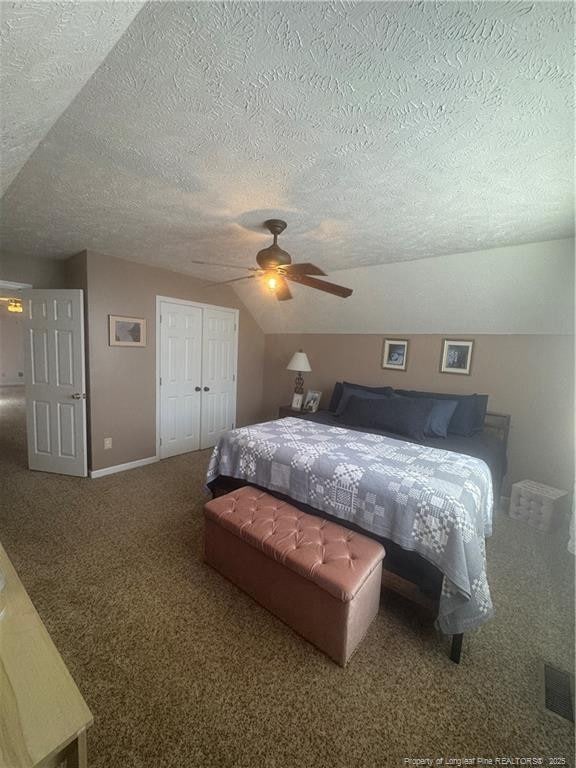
[(234, 280), (283, 291), (302, 269), (321, 285), (219, 264)]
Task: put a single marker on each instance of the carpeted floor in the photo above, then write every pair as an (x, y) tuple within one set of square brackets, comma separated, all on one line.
[(180, 669)]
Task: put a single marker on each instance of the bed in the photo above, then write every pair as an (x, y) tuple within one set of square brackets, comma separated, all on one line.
[(430, 506), (489, 444)]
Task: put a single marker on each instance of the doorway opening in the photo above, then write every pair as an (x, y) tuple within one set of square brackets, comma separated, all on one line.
[(11, 334)]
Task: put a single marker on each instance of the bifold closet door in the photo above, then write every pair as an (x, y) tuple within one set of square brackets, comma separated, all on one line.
[(218, 375), (180, 378)]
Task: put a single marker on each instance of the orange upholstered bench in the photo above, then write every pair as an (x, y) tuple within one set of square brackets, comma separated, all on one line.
[(323, 580)]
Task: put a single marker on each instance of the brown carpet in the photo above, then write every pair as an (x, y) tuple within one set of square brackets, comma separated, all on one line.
[(181, 669)]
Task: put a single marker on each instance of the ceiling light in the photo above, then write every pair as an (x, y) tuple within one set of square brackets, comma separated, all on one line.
[(15, 306), (272, 283)]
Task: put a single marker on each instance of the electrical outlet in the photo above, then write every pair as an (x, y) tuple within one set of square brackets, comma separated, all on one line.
[(107, 443)]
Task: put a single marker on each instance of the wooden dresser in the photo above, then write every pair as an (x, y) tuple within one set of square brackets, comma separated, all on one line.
[(43, 717)]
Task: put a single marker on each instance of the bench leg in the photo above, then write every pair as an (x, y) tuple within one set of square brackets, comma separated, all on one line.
[(456, 649)]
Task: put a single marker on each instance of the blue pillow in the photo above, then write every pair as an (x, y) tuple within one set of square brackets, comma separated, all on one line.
[(400, 415), (336, 395), (439, 418), (339, 388), (375, 390), (467, 419), (366, 393)]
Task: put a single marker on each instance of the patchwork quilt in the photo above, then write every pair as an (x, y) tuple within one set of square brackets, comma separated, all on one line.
[(437, 503)]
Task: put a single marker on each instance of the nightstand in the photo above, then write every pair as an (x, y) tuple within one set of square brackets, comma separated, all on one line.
[(286, 410)]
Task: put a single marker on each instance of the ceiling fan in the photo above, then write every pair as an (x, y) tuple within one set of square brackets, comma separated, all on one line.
[(276, 268)]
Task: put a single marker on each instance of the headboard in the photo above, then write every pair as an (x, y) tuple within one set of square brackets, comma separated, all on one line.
[(498, 424)]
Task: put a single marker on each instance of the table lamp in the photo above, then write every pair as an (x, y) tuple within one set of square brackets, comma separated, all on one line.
[(299, 363)]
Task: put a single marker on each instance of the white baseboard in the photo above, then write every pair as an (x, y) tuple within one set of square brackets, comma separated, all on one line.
[(123, 467)]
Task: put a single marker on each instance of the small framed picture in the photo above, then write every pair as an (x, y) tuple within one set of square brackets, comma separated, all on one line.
[(297, 399), (312, 402), (456, 356), (395, 354), (126, 331)]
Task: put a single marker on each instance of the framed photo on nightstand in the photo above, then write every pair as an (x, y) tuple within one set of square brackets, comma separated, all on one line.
[(312, 402), (297, 399)]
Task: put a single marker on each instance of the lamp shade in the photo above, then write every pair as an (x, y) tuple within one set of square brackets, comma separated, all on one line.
[(299, 362)]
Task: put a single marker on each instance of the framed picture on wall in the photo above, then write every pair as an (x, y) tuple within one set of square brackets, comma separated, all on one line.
[(126, 331), (456, 356), (395, 355)]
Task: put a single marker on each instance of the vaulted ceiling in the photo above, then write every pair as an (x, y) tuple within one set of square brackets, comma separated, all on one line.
[(380, 131), (48, 52)]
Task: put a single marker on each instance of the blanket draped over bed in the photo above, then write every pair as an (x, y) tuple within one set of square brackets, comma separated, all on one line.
[(434, 502)]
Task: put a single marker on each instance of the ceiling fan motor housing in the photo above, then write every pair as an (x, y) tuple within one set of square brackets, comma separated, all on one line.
[(272, 257)]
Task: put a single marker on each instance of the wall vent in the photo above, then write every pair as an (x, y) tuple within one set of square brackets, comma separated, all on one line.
[(558, 692)]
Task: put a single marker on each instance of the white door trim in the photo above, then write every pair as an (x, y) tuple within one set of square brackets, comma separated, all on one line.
[(198, 305), (6, 285)]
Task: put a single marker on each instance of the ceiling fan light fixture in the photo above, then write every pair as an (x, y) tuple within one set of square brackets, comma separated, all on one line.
[(272, 283)]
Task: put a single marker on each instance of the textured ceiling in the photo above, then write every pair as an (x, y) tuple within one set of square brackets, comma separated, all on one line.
[(48, 50), (525, 288), (380, 131)]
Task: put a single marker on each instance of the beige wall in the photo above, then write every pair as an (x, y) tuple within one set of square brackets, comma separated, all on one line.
[(40, 273), (530, 377), (122, 381)]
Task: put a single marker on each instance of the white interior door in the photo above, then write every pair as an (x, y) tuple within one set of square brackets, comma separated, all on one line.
[(219, 353), (180, 378), (55, 381)]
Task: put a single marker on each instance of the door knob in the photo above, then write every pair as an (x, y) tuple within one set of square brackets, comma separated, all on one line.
[(78, 396), (197, 389), (206, 389)]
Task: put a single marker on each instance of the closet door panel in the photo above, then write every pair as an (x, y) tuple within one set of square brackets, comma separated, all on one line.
[(180, 378), (218, 374)]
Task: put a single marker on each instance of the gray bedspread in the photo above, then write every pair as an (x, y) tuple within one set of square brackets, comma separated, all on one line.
[(437, 503)]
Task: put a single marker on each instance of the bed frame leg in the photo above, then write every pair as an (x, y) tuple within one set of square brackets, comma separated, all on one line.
[(456, 650)]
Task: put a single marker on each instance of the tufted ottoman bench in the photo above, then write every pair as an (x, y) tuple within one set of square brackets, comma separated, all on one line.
[(323, 580)]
